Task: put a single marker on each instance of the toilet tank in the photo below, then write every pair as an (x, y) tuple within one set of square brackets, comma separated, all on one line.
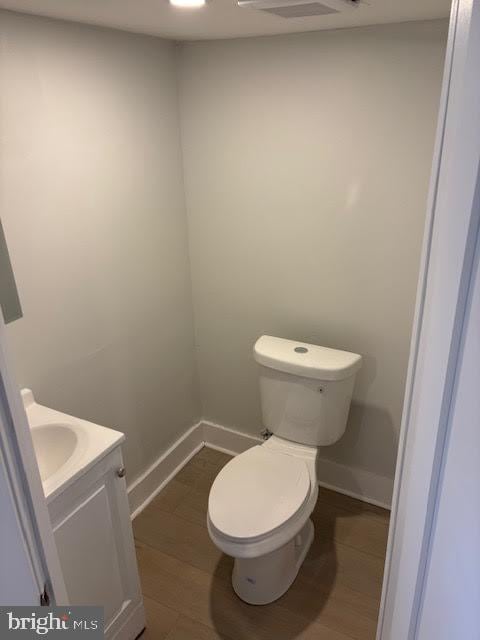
[(305, 389)]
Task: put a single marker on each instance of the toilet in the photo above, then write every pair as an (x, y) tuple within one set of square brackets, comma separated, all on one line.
[(260, 503)]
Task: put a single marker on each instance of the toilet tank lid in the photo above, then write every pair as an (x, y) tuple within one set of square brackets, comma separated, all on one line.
[(306, 360)]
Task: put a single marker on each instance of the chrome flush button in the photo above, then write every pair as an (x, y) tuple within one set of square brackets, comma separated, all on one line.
[(301, 350)]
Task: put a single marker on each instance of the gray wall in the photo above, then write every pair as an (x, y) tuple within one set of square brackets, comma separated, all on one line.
[(306, 164), (91, 196), (307, 161)]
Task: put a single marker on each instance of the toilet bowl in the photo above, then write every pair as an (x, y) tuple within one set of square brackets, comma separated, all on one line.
[(259, 513), (260, 503)]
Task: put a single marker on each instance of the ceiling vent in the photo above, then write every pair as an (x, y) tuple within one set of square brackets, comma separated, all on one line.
[(299, 8)]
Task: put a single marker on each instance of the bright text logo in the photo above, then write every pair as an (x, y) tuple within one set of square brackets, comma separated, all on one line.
[(57, 622)]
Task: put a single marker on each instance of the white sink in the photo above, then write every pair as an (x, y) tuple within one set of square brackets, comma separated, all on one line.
[(65, 447), (54, 445)]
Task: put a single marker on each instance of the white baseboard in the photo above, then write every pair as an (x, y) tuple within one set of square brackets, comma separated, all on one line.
[(230, 441), (144, 489), (354, 482), (131, 627)]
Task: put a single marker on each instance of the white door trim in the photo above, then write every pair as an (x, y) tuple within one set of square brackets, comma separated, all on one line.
[(447, 260), (18, 458)]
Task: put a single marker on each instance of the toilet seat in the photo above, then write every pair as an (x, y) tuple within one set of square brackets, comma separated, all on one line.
[(256, 493)]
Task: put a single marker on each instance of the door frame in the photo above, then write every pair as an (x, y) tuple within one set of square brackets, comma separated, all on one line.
[(17, 457), (451, 229), (446, 265)]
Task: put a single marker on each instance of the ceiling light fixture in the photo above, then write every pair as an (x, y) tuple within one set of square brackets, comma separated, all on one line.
[(188, 4)]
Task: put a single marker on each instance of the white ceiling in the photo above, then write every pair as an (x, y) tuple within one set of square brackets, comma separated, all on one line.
[(221, 18)]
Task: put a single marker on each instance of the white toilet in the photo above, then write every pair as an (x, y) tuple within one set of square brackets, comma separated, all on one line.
[(260, 503)]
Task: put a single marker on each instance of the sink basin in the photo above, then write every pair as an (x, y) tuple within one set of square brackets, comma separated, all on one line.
[(54, 445), (65, 447)]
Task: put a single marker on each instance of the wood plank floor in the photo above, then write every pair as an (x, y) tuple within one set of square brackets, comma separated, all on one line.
[(186, 579)]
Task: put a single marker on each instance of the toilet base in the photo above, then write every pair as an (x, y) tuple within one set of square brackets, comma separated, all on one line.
[(263, 579)]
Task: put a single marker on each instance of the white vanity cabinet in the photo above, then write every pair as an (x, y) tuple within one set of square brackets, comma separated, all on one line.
[(91, 523)]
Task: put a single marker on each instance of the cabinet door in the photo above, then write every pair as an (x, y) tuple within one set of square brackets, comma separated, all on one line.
[(93, 533)]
